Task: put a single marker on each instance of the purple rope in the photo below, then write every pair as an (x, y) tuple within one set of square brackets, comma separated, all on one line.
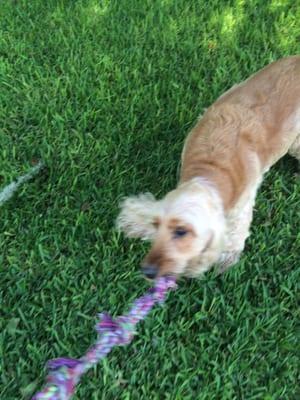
[(65, 373)]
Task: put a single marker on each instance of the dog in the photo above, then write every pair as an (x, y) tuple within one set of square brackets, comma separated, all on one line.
[(206, 219)]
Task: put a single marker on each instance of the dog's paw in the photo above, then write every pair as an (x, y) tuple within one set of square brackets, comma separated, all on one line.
[(226, 260)]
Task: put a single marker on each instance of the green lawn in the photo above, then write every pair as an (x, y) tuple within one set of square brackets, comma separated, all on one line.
[(104, 93)]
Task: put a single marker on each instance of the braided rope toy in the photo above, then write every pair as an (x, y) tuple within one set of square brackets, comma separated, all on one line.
[(8, 191), (65, 373)]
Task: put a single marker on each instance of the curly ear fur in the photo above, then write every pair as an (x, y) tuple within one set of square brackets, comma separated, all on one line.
[(137, 215)]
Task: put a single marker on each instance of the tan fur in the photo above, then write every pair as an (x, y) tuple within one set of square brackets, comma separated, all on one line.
[(237, 140), (246, 130)]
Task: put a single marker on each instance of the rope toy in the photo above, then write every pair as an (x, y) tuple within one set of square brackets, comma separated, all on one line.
[(8, 191), (65, 373)]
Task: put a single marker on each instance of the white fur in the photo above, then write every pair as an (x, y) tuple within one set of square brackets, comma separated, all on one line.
[(295, 148), (196, 203), (137, 215)]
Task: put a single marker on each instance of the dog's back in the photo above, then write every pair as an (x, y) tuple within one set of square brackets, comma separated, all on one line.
[(246, 130)]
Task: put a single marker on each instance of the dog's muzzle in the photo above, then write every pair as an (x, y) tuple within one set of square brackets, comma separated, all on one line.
[(150, 270)]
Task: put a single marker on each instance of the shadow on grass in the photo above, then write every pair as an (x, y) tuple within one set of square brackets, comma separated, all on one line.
[(176, 60)]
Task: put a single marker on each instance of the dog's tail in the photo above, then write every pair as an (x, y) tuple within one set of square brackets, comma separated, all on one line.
[(8, 191)]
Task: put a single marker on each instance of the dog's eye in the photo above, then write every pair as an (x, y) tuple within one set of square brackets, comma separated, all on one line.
[(179, 232)]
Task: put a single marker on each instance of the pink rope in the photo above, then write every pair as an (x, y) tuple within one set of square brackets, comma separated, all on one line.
[(65, 373)]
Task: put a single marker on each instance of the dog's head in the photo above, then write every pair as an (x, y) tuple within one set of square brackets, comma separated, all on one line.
[(184, 226)]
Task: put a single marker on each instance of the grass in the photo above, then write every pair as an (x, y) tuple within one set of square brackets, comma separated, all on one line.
[(104, 93)]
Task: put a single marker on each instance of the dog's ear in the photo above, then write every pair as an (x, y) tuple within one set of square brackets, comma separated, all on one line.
[(137, 216)]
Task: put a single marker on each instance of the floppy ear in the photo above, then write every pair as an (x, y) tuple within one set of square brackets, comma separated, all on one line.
[(137, 216)]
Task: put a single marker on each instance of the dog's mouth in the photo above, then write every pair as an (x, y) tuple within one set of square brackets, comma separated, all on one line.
[(167, 275), (151, 271)]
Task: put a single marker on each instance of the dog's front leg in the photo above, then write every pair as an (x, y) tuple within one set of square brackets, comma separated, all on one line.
[(238, 230), (206, 259)]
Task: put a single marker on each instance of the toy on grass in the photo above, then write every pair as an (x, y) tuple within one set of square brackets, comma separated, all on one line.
[(8, 191), (65, 373)]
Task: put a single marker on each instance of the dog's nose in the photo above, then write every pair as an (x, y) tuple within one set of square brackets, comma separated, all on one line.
[(150, 270)]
